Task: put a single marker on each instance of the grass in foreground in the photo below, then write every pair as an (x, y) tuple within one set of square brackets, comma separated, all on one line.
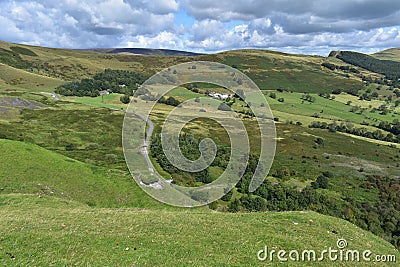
[(49, 231)]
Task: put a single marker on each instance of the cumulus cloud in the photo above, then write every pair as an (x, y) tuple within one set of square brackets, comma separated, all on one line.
[(302, 16), (84, 23), (307, 26)]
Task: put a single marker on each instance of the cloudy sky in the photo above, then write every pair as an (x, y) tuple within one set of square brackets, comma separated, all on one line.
[(302, 26)]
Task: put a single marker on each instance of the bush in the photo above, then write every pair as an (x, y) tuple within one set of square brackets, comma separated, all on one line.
[(321, 182), (92, 146), (227, 196), (70, 147), (234, 206), (125, 99), (170, 101)]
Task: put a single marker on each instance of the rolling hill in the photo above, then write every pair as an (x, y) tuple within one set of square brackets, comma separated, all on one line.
[(142, 51), (389, 54), (66, 195), (270, 70)]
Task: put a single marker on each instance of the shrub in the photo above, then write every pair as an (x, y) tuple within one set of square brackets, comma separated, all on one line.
[(125, 99), (321, 182)]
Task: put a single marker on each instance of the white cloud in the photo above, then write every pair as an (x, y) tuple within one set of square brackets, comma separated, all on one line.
[(81, 24), (162, 40), (308, 26)]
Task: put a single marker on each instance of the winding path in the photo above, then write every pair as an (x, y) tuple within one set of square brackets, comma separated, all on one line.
[(144, 150)]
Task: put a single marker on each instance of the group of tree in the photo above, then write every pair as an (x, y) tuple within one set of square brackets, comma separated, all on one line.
[(332, 66), (189, 146), (326, 95), (388, 68), (307, 97), (113, 81), (393, 129), (172, 101)]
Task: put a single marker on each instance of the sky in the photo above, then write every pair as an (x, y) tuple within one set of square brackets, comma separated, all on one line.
[(302, 26)]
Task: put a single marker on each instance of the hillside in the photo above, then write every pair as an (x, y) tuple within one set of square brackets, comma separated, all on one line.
[(270, 70), (51, 231), (67, 196), (142, 51), (388, 54), (42, 172), (385, 67)]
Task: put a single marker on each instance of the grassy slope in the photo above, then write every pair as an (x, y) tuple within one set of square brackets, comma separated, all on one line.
[(40, 171), (271, 70), (68, 233), (58, 228), (328, 109), (389, 54), (13, 78)]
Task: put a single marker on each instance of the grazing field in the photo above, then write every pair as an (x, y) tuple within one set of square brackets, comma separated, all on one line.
[(26, 81), (334, 110)]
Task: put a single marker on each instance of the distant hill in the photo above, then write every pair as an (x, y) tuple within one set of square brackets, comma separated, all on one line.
[(142, 51), (268, 69), (389, 68), (389, 54)]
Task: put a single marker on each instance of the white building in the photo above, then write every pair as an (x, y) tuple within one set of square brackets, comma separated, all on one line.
[(219, 96)]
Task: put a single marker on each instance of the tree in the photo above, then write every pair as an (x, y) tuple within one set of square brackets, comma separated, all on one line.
[(234, 206), (170, 101), (227, 196), (70, 147), (319, 141), (321, 182), (125, 99)]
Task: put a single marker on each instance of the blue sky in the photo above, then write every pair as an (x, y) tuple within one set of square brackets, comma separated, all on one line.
[(306, 26)]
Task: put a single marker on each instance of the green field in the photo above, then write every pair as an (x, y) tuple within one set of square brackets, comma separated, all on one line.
[(42, 172), (334, 110)]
